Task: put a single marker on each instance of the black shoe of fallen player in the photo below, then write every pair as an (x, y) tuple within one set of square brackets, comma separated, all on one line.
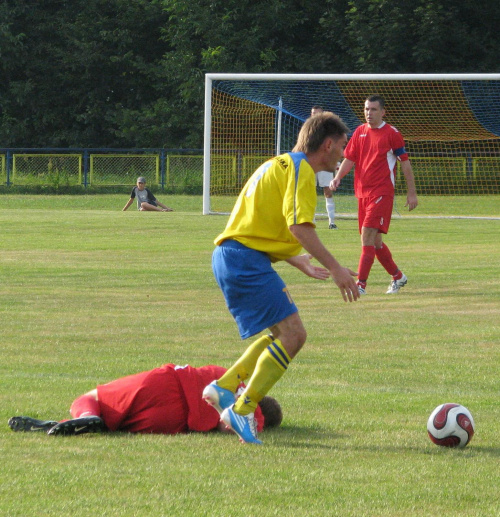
[(86, 424), (27, 424)]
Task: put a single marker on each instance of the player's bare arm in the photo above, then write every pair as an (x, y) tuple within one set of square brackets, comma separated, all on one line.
[(344, 169), (303, 263), (411, 197), (342, 276)]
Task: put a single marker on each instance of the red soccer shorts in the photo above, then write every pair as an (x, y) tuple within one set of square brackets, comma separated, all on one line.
[(375, 212)]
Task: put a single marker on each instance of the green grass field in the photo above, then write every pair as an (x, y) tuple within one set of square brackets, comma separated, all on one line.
[(89, 293)]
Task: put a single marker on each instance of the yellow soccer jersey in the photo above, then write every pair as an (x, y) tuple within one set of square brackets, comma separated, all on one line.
[(281, 192)]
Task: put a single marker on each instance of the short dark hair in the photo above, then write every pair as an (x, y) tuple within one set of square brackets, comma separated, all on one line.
[(376, 98), (271, 410), (316, 129)]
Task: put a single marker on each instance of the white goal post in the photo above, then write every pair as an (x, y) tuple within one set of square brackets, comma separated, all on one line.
[(450, 122)]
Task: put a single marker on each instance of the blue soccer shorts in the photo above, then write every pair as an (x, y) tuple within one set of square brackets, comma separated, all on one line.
[(255, 294)]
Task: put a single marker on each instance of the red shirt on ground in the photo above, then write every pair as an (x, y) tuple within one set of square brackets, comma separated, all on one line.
[(165, 400)]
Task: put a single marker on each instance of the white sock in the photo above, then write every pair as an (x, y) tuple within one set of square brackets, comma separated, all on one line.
[(330, 208)]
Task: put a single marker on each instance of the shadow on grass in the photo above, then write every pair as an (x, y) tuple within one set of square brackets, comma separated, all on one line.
[(317, 437), (469, 451), (301, 437), (287, 436)]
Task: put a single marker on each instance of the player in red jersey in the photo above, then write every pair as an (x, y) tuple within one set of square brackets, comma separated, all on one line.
[(165, 400), (375, 148)]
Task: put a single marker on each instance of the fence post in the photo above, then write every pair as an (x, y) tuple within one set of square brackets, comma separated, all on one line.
[(85, 167), (162, 168), (8, 165)]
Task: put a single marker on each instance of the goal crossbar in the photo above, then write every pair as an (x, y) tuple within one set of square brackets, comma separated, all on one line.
[(451, 123)]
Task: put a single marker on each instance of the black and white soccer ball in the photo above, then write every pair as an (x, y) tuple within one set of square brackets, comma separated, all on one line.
[(451, 425)]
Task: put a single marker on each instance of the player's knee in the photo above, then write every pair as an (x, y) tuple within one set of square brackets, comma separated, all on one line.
[(301, 337), (294, 342), (92, 394)]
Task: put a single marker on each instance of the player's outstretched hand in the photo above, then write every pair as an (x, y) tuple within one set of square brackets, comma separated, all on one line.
[(303, 262), (334, 184), (411, 202), (344, 278)]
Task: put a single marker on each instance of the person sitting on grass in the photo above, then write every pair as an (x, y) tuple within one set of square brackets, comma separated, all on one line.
[(146, 202), (165, 400)]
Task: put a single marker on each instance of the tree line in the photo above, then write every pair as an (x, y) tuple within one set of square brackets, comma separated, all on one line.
[(130, 73)]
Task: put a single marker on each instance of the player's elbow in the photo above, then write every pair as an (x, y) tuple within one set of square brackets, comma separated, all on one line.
[(299, 229)]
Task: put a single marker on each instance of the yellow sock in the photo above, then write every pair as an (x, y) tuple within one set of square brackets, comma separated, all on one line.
[(245, 365), (271, 365)]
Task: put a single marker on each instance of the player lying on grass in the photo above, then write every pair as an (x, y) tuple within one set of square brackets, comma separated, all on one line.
[(165, 400)]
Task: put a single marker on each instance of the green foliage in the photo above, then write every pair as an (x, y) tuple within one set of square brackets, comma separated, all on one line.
[(82, 65), (75, 313), (121, 73), (405, 36)]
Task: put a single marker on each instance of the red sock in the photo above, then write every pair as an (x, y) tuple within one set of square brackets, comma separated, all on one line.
[(85, 406), (384, 256), (365, 264)]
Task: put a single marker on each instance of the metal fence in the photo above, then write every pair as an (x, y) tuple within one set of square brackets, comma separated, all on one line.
[(169, 169)]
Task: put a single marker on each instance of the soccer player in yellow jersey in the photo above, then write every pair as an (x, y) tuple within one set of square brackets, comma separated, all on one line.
[(273, 219)]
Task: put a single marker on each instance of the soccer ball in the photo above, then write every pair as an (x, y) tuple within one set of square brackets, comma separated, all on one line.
[(451, 425)]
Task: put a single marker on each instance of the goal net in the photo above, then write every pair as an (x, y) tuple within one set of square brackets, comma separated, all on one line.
[(450, 122)]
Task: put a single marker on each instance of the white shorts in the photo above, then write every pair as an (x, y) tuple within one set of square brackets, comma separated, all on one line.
[(323, 178)]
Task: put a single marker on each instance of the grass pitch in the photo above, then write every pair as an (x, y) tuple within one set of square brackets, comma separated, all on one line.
[(89, 293)]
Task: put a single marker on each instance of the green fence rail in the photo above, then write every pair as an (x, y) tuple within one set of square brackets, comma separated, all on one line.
[(181, 171), (168, 169)]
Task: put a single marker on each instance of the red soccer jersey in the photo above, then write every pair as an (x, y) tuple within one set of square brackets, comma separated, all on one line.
[(375, 152), (164, 400)]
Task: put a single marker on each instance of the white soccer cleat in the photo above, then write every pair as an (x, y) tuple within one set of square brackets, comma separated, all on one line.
[(396, 285)]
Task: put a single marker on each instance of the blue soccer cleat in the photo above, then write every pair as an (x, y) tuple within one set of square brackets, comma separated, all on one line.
[(245, 426), (218, 397)]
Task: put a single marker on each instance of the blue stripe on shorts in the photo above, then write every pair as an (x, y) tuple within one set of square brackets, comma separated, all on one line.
[(255, 294)]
